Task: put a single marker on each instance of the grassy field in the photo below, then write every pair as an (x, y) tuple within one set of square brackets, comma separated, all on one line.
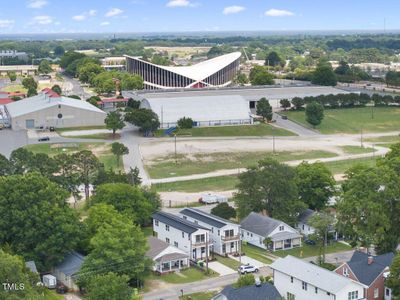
[(352, 120), (309, 251), (97, 136), (385, 139), (229, 262), (341, 166), (147, 231), (60, 130), (101, 150), (199, 296), (256, 253), (51, 295), (356, 149), (220, 183), (239, 130), (165, 167), (185, 276)]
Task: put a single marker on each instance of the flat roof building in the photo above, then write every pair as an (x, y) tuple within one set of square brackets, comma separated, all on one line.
[(215, 72), (205, 111)]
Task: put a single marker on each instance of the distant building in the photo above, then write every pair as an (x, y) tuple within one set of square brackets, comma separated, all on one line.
[(304, 226), (256, 228), (296, 279), (166, 258), (264, 291), (20, 70), (369, 270), (225, 235), (216, 72), (67, 270), (9, 54)]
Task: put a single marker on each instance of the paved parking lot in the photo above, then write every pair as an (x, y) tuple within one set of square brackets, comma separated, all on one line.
[(11, 140)]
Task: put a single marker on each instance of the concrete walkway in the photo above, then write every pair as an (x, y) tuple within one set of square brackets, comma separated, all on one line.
[(248, 260), (221, 269)]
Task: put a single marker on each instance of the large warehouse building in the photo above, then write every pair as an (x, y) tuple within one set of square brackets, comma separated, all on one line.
[(42, 111), (216, 72), (204, 111)]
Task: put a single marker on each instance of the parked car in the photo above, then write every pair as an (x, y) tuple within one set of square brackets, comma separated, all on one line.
[(212, 198), (44, 139), (245, 269), (309, 242)]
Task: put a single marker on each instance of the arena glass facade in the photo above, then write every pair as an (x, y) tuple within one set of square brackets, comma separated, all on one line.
[(219, 71)]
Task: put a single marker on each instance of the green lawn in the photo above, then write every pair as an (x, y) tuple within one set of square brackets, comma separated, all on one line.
[(256, 253), (239, 130), (97, 136), (51, 295), (147, 231), (185, 276), (80, 128), (357, 149), (101, 150), (227, 261), (341, 166), (385, 139), (221, 183), (352, 120), (308, 250), (199, 296), (164, 167), (14, 88)]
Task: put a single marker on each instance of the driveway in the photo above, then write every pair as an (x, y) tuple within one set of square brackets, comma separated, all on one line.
[(248, 260), (293, 127), (221, 269), (334, 258), (11, 140)]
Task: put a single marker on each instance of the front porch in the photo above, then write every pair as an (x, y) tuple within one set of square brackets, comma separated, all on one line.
[(171, 262), (284, 241)]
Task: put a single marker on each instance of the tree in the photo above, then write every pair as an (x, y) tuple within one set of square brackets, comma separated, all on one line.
[(133, 176), (132, 103), (274, 60), (285, 103), (31, 92), (36, 221), (269, 187), (145, 119), (185, 123), (241, 79), (109, 286), (298, 103), (315, 184), (392, 78), (393, 281), (314, 113), (343, 68), (6, 168), (119, 149), (245, 280), (57, 89), (94, 100), (87, 166), (126, 199), (118, 247), (12, 76), (224, 210), (324, 75), (29, 83), (322, 222), (45, 67), (114, 121), (86, 72), (59, 50), (132, 82), (259, 75), (264, 109), (74, 97)]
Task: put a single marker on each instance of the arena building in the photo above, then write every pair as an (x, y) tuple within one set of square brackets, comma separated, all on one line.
[(215, 72)]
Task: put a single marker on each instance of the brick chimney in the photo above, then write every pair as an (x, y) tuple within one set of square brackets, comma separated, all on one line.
[(370, 260)]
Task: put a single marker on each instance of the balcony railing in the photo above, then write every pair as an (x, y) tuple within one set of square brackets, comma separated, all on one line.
[(202, 243), (230, 237)]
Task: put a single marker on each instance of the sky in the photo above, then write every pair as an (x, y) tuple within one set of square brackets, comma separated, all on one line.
[(113, 16)]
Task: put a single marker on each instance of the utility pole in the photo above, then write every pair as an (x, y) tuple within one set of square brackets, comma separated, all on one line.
[(207, 252), (162, 116), (273, 140), (176, 160), (372, 112), (240, 247), (362, 144)]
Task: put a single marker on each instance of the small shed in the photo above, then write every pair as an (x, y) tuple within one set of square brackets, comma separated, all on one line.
[(67, 270)]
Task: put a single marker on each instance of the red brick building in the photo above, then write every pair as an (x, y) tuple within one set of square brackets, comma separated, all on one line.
[(368, 270)]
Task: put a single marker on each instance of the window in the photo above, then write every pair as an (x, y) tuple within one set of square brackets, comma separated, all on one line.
[(303, 226), (247, 234), (353, 295), (290, 296), (167, 227), (291, 279), (387, 292), (212, 229), (229, 233), (176, 244), (183, 234), (200, 238), (261, 241), (281, 228), (218, 232), (232, 245), (203, 250), (328, 293), (185, 217), (345, 272), (156, 222), (251, 234), (316, 290), (167, 240), (304, 285), (376, 293)]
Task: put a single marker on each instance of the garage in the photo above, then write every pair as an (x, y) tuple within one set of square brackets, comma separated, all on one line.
[(30, 124)]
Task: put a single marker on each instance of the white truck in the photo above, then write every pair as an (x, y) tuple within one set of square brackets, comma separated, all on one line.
[(49, 281), (212, 198)]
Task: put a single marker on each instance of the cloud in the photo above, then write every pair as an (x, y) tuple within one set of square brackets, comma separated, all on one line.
[(114, 12), (105, 23), (79, 17), (92, 12), (278, 13), (180, 3), (85, 15), (234, 9), (6, 23), (43, 20), (37, 3)]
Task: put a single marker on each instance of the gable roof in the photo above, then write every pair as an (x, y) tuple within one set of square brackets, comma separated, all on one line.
[(156, 246), (259, 224), (31, 266), (367, 273), (204, 217), (319, 277), (306, 215), (177, 222), (71, 264), (266, 291)]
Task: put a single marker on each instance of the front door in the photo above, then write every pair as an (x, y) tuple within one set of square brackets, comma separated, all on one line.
[(223, 248), (194, 254)]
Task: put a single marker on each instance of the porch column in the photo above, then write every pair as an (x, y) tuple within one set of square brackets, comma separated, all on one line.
[(170, 266)]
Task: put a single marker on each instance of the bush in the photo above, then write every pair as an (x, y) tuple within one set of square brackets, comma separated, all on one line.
[(223, 210), (185, 123), (245, 280)]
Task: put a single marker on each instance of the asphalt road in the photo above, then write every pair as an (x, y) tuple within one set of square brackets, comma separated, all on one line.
[(75, 88), (11, 140), (294, 127)]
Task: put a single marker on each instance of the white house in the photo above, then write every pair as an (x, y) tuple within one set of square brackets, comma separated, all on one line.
[(296, 279), (166, 258), (188, 236), (303, 224), (255, 228), (224, 235)]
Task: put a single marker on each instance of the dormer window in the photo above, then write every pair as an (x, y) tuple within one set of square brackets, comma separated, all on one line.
[(281, 228)]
